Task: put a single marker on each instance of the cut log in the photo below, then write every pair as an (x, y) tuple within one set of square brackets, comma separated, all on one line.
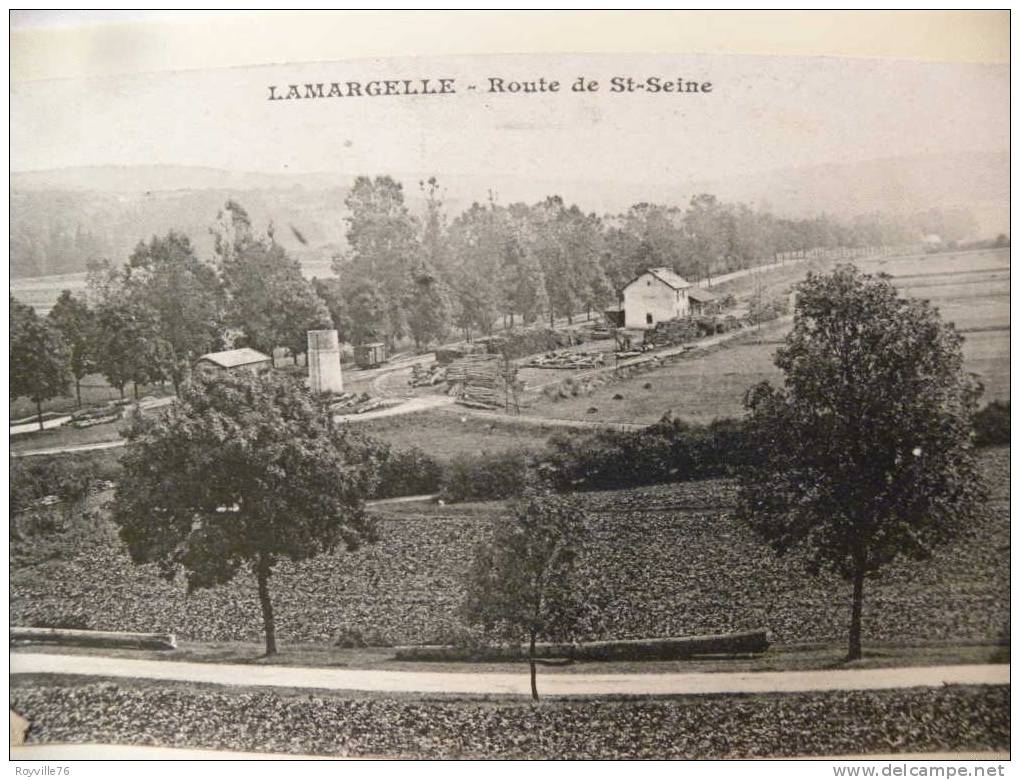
[(80, 638), (661, 649)]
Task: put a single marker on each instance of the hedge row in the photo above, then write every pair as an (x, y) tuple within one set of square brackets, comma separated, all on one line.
[(668, 451)]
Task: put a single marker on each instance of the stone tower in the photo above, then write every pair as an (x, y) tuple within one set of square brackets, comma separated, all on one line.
[(324, 374)]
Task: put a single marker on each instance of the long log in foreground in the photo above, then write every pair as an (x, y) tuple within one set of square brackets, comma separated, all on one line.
[(663, 649), (80, 638)]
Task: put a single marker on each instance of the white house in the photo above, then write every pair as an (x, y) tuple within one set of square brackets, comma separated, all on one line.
[(656, 295)]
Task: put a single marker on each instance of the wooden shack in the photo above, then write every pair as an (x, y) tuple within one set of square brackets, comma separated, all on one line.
[(235, 360)]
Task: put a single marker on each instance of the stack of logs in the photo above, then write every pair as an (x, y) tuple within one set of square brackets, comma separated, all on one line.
[(427, 376), (562, 358), (477, 381), (353, 403)]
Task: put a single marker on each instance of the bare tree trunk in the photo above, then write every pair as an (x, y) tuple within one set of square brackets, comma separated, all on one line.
[(855, 615), (77, 390), (135, 383), (262, 574), (531, 663), (38, 409)]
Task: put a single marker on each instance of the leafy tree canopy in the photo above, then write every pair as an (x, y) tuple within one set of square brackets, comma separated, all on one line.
[(864, 454), (241, 472)]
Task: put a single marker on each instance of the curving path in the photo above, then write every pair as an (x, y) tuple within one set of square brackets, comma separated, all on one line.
[(551, 684)]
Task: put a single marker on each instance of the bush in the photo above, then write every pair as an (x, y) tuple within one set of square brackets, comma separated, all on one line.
[(34, 478), (531, 341), (486, 477), (991, 425), (669, 451), (408, 472)]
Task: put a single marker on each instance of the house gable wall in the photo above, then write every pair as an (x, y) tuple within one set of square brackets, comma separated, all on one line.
[(650, 295)]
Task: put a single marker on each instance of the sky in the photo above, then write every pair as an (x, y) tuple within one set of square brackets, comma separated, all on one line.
[(763, 113)]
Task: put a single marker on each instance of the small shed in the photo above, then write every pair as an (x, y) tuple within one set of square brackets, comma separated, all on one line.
[(614, 317), (701, 300), (234, 360), (370, 355)]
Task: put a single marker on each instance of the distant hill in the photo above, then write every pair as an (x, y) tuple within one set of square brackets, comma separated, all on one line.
[(159, 178), (60, 218)]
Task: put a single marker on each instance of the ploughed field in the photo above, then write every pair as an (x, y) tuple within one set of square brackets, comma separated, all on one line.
[(970, 289), (837, 723), (665, 560)]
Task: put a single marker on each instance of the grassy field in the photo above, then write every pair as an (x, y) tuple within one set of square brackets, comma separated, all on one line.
[(447, 434), (666, 560), (94, 390), (41, 292), (67, 436), (970, 289), (957, 718)]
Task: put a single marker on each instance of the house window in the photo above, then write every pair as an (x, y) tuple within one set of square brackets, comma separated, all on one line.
[(648, 318), (649, 283)]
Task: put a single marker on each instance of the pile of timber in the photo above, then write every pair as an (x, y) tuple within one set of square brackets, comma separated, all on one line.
[(662, 649), (669, 332), (354, 403), (427, 376), (82, 638), (86, 418), (562, 358), (635, 352), (447, 354), (476, 381)]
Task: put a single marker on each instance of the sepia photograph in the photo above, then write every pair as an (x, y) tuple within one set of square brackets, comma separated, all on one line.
[(565, 385)]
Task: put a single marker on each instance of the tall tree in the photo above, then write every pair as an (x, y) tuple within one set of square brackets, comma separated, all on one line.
[(331, 293), (268, 298), (382, 237), (710, 228), (127, 343), (184, 293), (39, 358), (242, 472), (521, 275), (864, 454), (522, 584), (364, 309), (474, 305), (75, 322), (427, 306), (475, 242)]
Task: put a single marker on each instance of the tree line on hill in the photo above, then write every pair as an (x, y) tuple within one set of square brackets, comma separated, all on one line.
[(400, 277)]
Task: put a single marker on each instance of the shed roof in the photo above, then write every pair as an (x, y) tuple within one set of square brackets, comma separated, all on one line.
[(232, 358), (700, 294), (665, 275)]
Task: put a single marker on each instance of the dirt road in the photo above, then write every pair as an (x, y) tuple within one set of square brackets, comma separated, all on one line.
[(551, 684)]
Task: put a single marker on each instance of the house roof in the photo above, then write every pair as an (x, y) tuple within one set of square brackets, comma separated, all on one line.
[(232, 358), (665, 275), (700, 294)]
